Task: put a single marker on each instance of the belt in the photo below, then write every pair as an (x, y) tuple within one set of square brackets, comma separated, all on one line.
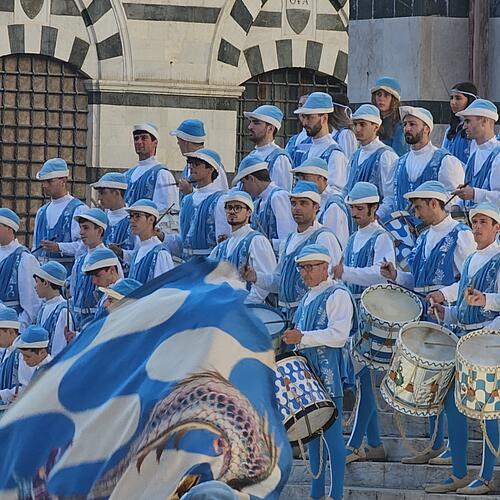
[(427, 289), (45, 259), (469, 328), (85, 310), (192, 251), (10, 303), (288, 305)]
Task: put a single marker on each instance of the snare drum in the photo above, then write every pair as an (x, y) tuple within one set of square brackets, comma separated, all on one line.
[(477, 383), (273, 320), (384, 310), (305, 406), (403, 236), (421, 370)]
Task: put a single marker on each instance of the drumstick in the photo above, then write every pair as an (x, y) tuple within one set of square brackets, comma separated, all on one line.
[(38, 248), (461, 186), (436, 314), (176, 183), (167, 211)]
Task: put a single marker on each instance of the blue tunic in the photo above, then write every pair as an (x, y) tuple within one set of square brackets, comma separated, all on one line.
[(292, 146), (368, 171), (143, 270), (265, 220), (336, 199), (9, 278), (120, 233), (301, 155), (85, 296), (272, 158), (51, 321), (9, 371), (459, 145), (397, 142), (144, 186), (241, 252)]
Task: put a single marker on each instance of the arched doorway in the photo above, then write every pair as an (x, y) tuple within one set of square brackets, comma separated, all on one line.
[(43, 111)]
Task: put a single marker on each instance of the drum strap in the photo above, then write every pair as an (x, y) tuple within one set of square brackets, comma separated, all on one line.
[(487, 440), (321, 456)]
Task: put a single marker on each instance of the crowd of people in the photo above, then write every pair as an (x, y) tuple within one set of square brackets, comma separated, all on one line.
[(308, 227)]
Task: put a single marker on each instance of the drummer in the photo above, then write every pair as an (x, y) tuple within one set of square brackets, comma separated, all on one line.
[(324, 319), (478, 299), (366, 250), (245, 244)]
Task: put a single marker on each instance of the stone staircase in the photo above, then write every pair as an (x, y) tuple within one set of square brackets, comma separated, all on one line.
[(392, 480)]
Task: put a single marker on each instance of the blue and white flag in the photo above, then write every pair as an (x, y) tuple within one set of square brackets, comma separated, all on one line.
[(173, 388)]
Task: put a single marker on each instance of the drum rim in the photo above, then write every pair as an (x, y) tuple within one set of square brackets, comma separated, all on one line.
[(273, 309), (290, 354), (468, 336), (303, 413)]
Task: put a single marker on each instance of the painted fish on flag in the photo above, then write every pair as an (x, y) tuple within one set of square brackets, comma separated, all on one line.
[(175, 387)]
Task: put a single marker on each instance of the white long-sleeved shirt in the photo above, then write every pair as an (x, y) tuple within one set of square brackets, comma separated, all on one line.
[(334, 217), (282, 171), (164, 260), (465, 246), (261, 259), (482, 152), (166, 192), (388, 161), (52, 214), (347, 141), (28, 298), (339, 311), (24, 374), (337, 163), (280, 204), (383, 250)]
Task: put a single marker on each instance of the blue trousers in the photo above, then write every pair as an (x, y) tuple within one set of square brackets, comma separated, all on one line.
[(489, 459), (334, 451), (366, 421)]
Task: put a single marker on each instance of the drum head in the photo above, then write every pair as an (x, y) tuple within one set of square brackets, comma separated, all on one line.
[(314, 418), (429, 341), (273, 320), (481, 350)]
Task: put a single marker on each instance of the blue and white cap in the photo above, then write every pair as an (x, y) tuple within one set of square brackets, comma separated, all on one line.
[(191, 130), (362, 192), (421, 113), (53, 169), (9, 218), (315, 166), (252, 162), (149, 127), (316, 103), (52, 271), (480, 107), (369, 113), (429, 190), (145, 206), (111, 180), (486, 209), (389, 84), (241, 196), (313, 252), (121, 288), (101, 258), (266, 113), (95, 215), (9, 318), (306, 189), (34, 337), (207, 155)]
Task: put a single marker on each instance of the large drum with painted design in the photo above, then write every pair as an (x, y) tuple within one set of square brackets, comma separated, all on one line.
[(421, 370), (384, 310), (305, 406), (477, 384)]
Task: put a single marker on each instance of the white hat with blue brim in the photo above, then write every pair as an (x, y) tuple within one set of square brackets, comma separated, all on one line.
[(362, 192), (317, 103), (266, 113), (429, 190), (9, 218), (486, 209), (241, 196), (389, 84), (111, 180), (148, 127), (145, 206), (100, 258), (252, 162), (421, 113), (480, 107), (191, 130), (315, 166), (208, 156), (95, 215), (369, 113), (313, 252), (52, 271), (53, 169), (121, 288), (306, 189), (34, 337), (9, 318)]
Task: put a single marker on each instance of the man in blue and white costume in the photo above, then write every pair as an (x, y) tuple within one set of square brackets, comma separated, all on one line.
[(202, 218), (272, 215), (56, 233), (374, 161), (333, 212), (53, 314), (482, 172), (435, 263), (315, 120), (324, 320), (366, 250), (301, 141), (151, 257), (265, 121), (245, 245), (16, 271), (286, 281), (150, 179)]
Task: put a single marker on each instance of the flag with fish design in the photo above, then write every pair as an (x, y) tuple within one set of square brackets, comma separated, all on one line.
[(173, 388)]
